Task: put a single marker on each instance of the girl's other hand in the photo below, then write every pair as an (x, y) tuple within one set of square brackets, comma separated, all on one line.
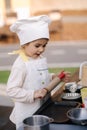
[(40, 93), (67, 77)]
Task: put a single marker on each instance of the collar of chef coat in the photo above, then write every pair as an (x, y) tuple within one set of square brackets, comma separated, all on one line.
[(21, 53)]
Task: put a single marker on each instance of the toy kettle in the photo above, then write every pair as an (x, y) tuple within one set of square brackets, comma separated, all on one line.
[(83, 73)]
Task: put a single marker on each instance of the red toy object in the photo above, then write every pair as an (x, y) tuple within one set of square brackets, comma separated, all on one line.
[(83, 105), (61, 75)]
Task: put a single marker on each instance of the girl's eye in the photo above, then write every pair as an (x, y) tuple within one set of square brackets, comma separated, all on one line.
[(37, 46), (45, 45)]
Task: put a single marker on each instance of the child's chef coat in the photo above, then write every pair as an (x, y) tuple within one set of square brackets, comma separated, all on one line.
[(25, 78)]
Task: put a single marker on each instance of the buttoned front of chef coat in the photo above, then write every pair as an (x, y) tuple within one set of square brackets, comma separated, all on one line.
[(37, 77)]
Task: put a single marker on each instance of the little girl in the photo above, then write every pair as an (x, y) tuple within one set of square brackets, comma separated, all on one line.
[(29, 75)]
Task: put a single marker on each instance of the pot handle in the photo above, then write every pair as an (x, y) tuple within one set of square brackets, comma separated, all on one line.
[(51, 120), (84, 122)]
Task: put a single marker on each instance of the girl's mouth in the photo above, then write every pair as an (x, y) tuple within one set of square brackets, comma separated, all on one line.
[(38, 54)]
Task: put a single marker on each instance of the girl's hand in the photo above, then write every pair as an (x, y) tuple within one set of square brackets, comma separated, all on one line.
[(67, 77), (40, 93), (64, 76)]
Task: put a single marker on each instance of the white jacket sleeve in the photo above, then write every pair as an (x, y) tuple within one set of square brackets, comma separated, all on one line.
[(14, 86)]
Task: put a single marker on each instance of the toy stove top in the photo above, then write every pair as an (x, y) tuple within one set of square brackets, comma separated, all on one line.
[(57, 110)]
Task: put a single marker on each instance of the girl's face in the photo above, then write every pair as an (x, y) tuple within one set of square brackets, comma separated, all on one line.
[(35, 48)]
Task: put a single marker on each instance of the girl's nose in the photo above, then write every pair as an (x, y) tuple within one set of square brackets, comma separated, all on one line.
[(41, 49)]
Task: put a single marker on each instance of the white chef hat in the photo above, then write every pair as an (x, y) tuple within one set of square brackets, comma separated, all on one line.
[(31, 29)]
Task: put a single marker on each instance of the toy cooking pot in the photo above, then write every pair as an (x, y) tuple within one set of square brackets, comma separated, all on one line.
[(78, 115), (37, 122)]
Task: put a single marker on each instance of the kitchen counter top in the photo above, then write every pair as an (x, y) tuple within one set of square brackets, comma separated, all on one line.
[(10, 126), (67, 127)]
